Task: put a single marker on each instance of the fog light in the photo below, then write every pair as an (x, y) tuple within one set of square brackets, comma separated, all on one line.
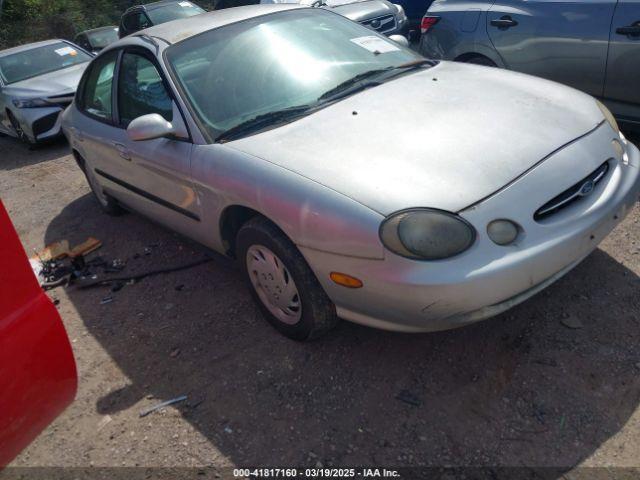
[(502, 232)]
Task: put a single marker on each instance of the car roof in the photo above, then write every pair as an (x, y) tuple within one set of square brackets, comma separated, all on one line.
[(29, 46), (178, 30)]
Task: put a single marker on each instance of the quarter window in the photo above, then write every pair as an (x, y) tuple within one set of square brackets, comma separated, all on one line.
[(140, 90), (96, 94)]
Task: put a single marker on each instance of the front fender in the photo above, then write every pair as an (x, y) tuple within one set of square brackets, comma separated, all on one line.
[(310, 214)]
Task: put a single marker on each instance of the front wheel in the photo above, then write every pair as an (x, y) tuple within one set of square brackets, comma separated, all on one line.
[(282, 284)]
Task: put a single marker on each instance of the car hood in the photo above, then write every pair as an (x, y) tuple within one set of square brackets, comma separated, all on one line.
[(54, 83), (445, 137)]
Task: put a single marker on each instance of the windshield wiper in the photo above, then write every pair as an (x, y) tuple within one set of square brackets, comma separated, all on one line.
[(356, 84), (262, 121), (352, 85)]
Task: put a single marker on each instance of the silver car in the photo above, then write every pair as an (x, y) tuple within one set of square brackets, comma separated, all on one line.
[(379, 15), (37, 82), (286, 137), (593, 46)]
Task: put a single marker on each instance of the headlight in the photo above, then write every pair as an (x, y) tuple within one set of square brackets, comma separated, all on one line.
[(426, 234), (31, 103), (608, 116)]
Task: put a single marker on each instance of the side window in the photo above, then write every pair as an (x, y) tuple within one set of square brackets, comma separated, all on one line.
[(144, 21), (96, 93), (140, 90)]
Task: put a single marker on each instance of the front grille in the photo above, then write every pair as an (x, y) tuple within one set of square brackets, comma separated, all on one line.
[(383, 24), (45, 123), (581, 189)]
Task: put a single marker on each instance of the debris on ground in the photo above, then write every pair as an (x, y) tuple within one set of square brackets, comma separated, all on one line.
[(572, 322), (96, 282), (160, 405), (107, 299), (89, 245), (61, 249), (407, 397)]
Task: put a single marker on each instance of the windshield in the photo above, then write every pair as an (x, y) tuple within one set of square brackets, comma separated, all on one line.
[(102, 38), (277, 61), (173, 11), (39, 60)]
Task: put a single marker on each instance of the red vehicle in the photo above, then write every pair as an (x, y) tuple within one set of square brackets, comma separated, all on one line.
[(38, 378)]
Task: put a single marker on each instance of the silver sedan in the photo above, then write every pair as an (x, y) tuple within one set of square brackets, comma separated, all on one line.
[(37, 82), (349, 176)]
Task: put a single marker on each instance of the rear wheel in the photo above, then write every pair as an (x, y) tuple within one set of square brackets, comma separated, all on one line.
[(282, 284)]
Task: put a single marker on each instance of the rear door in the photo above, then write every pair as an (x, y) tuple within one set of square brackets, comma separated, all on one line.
[(564, 41), (37, 371), (622, 85)]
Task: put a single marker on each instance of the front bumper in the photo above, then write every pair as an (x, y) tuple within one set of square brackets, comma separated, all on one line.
[(408, 295), (40, 124)]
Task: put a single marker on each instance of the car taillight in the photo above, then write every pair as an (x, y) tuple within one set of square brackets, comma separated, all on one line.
[(427, 23)]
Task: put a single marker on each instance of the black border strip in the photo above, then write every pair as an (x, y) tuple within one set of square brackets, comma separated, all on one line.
[(149, 196)]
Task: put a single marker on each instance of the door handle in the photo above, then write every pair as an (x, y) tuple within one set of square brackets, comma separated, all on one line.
[(504, 22), (631, 30), (122, 151)]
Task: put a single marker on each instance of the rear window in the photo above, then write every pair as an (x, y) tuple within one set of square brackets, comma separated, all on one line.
[(39, 61)]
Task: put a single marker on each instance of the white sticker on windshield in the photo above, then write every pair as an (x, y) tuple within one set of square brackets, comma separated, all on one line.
[(66, 51), (375, 44), (185, 4)]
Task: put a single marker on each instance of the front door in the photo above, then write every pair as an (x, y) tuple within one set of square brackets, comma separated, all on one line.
[(565, 41), (158, 176)]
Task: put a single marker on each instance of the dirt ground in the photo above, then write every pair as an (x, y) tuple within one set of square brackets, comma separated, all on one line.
[(553, 382)]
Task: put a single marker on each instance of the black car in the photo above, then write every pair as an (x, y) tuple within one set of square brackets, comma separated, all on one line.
[(140, 17), (95, 40)]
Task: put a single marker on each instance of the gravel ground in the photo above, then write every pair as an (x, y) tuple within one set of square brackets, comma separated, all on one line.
[(553, 382)]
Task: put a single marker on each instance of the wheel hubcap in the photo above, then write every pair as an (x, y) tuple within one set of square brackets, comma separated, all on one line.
[(274, 284)]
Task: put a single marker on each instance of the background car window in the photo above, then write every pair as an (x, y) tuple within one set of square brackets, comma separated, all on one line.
[(102, 38), (140, 90), (174, 11), (136, 21), (40, 60), (82, 41), (96, 95)]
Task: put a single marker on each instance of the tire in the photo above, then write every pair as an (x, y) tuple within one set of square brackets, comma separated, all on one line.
[(480, 60), (314, 314), (107, 204)]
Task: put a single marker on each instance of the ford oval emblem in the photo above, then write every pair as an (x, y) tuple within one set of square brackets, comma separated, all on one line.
[(586, 188)]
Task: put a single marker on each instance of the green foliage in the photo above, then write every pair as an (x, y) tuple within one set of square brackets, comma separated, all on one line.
[(24, 21)]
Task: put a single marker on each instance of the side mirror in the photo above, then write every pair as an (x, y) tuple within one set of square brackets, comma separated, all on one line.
[(400, 40), (149, 127)]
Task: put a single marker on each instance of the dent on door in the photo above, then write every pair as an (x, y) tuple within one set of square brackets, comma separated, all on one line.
[(564, 41), (38, 377)]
